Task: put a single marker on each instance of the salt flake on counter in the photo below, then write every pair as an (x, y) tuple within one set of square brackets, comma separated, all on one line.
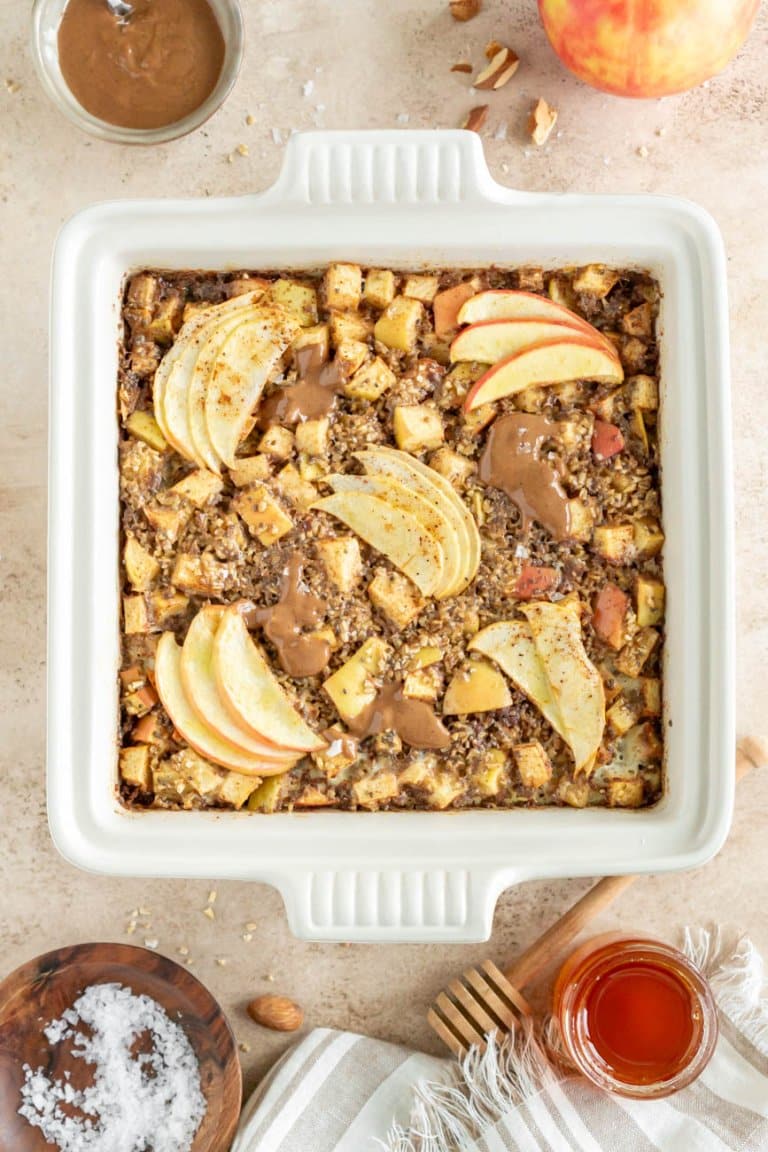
[(136, 1101)]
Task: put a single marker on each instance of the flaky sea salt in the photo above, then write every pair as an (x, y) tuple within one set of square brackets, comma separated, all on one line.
[(136, 1102)]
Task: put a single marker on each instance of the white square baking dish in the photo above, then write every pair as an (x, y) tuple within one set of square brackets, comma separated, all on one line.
[(403, 199)]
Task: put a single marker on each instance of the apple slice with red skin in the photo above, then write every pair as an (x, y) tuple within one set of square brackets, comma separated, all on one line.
[(252, 694), (551, 362), (198, 735), (199, 684), (510, 304), (489, 341)]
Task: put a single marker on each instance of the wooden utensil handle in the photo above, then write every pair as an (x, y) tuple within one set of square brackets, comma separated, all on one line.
[(751, 752)]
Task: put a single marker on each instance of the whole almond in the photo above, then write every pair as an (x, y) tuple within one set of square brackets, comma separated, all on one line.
[(276, 1012), (465, 9)]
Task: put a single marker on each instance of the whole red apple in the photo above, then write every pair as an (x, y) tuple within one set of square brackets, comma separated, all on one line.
[(647, 47)]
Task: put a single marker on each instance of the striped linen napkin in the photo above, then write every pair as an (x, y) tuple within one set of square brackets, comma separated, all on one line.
[(339, 1092)]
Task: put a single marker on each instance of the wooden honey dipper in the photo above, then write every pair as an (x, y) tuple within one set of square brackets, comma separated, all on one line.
[(485, 999)]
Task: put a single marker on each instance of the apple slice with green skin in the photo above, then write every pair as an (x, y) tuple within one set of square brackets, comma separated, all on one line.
[(199, 683), (508, 304), (493, 340), (435, 488), (252, 693), (430, 515), (552, 362), (169, 389), (510, 644), (576, 684), (396, 534), (240, 373), (198, 735)]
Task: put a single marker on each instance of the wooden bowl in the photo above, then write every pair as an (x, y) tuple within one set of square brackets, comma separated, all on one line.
[(41, 990)]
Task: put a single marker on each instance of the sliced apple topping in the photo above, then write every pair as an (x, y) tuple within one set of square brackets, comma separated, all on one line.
[(208, 384), (545, 658), (573, 357), (410, 514), (509, 304), (492, 340)]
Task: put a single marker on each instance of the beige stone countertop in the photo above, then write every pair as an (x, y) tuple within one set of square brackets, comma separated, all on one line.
[(357, 64)]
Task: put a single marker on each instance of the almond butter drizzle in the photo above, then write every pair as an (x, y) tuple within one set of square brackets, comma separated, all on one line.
[(310, 397), (512, 462), (300, 654), (413, 720)]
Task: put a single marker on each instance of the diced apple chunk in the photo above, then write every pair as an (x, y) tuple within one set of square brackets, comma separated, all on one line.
[(277, 442), (634, 655), (149, 730), (141, 568), (351, 688), (595, 280), (136, 621), (299, 299), (267, 796), (347, 326), (574, 793), (312, 436), (379, 287), (318, 334), (649, 593), (479, 418), (199, 575), (625, 793), (480, 687), (582, 519), (370, 381), (609, 619), (265, 518), (643, 393), (299, 492), (398, 325), (341, 753), (422, 288), (453, 466), (490, 777), (312, 797), (166, 608), (375, 790), (166, 320), (351, 355), (650, 696), (235, 788), (166, 521), (199, 487), (621, 716), (443, 788), (343, 286), (342, 561), (533, 764), (249, 470), (395, 596), (143, 426), (639, 321), (458, 382), (135, 767), (649, 538), (421, 685), (417, 428), (615, 542), (425, 657)]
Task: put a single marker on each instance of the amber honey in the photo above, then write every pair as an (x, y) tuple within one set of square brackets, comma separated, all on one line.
[(635, 1015)]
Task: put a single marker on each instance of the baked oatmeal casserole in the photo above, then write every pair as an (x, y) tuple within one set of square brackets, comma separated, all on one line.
[(390, 540)]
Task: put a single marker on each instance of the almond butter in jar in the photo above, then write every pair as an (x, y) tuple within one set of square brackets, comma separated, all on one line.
[(636, 1017)]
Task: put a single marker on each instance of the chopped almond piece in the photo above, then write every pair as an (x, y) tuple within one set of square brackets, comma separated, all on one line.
[(462, 66), (464, 10), (501, 68), (541, 121), (476, 118)]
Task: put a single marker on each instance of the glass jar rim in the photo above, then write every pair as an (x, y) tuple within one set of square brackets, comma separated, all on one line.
[(614, 952), (45, 54)]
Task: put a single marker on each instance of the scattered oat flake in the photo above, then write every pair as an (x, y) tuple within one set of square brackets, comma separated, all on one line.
[(541, 121), (247, 936), (152, 942), (250, 120), (251, 926), (222, 961), (642, 151), (462, 66), (242, 149), (244, 1046), (209, 912), (212, 896), (183, 950), (131, 928), (270, 978), (132, 1100), (12, 86), (661, 131), (145, 911)]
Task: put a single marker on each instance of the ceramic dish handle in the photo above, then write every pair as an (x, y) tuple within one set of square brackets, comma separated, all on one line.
[(390, 167), (391, 906)]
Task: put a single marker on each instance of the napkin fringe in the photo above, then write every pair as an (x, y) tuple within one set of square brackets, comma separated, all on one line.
[(736, 974), (451, 1117)]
